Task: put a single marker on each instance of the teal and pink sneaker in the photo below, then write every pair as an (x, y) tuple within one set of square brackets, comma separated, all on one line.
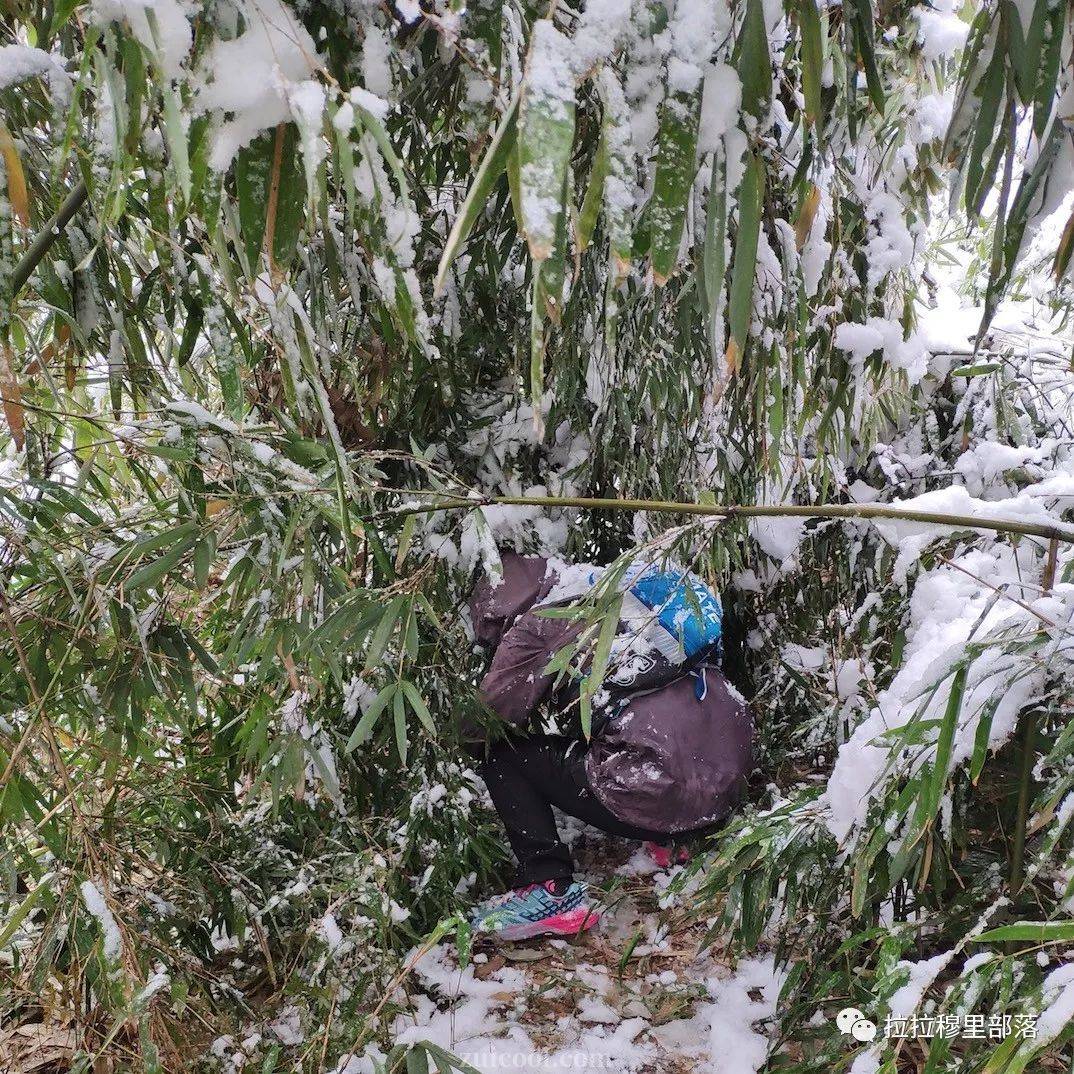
[(536, 910)]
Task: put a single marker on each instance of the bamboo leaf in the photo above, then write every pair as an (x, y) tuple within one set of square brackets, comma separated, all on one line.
[(16, 179), (990, 90), (1064, 249), (675, 163), (12, 396), (714, 255), (932, 788), (493, 164), (1035, 932), (417, 703), (365, 725), (812, 61), (740, 304), (806, 215), (862, 21), (755, 61), (594, 195), (399, 718), (545, 136), (618, 201)]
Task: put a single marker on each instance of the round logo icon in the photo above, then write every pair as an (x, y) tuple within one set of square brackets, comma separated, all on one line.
[(851, 1020)]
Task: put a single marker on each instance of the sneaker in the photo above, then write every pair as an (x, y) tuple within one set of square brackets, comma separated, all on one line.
[(536, 910), (662, 856)]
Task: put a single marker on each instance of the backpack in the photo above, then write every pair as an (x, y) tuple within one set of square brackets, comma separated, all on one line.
[(670, 624)]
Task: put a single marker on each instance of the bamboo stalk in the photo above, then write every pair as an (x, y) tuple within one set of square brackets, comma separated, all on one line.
[(48, 235), (1029, 750), (824, 510)]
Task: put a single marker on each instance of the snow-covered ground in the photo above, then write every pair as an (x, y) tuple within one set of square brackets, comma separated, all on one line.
[(638, 994)]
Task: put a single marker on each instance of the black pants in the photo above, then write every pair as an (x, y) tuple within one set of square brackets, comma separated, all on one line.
[(526, 777)]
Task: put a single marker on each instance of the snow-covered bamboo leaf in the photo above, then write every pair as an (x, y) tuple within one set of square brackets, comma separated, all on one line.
[(675, 165), (714, 254), (618, 202), (545, 136)]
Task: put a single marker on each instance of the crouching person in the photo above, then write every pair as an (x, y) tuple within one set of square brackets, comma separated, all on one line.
[(670, 743)]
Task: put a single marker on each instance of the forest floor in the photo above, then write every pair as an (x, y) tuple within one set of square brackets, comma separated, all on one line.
[(638, 994)]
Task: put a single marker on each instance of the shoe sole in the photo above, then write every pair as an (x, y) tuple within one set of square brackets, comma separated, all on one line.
[(572, 923)]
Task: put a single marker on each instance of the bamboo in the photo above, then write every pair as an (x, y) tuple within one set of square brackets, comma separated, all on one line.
[(1029, 751), (824, 510), (48, 235)]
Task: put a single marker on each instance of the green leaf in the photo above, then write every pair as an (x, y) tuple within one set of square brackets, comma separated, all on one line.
[(383, 633), (1036, 932), (740, 305), (22, 911), (417, 703), (932, 788), (417, 1060), (253, 179), (755, 61), (153, 572), (812, 60), (288, 187), (1024, 47), (978, 370), (862, 21), (365, 725), (493, 164), (545, 136), (676, 150), (594, 195), (990, 90), (399, 713)]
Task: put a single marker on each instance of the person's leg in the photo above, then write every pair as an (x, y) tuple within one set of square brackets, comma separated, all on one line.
[(525, 809), (525, 778)]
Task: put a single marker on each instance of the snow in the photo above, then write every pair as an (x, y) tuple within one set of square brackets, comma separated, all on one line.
[(162, 26), (1058, 994), (20, 62), (880, 334), (721, 103), (736, 1045), (111, 938), (940, 31), (253, 78), (948, 607)]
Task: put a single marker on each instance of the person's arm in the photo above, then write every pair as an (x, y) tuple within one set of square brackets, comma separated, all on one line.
[(497, 602), (516, 682)]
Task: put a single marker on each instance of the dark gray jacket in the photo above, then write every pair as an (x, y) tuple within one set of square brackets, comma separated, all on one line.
[(664, 759)]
